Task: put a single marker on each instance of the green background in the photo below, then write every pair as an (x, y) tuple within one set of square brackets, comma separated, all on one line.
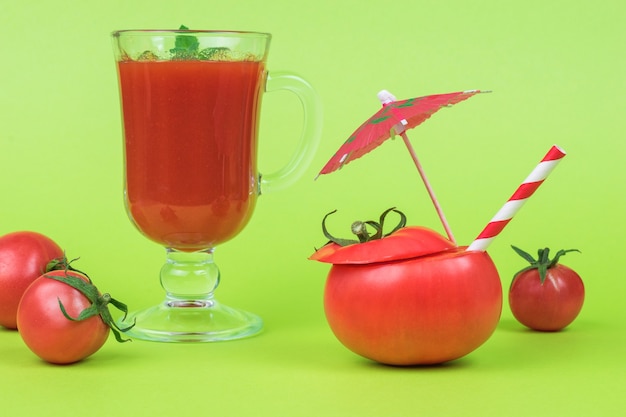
[(558, 72)]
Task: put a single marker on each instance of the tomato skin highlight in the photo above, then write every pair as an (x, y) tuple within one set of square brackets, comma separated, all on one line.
[(550, 306), (51, 335), (23, 258), (424, 310)]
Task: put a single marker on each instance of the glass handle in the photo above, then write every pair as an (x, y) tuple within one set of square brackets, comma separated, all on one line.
[(309, 138)]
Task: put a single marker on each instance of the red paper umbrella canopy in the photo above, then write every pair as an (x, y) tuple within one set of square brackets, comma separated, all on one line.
[(393, 118)]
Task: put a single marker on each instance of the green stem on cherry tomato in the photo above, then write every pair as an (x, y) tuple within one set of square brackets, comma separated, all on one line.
[(359, 228), (63, 264), (543, 261), (99, 304)]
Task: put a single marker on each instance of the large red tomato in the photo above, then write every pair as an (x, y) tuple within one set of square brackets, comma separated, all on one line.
[(45, 329), (23, 258), (63, 318), (547, 296), (411, 298)]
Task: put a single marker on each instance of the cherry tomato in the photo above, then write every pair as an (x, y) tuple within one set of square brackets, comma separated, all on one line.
[(410, 298), (24, 256), (63, 323), (547, 296)]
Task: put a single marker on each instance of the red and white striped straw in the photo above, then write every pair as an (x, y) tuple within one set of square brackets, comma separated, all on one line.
[(517, 200)]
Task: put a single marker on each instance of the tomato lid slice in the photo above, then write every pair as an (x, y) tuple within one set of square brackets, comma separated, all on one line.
[(406, 243)]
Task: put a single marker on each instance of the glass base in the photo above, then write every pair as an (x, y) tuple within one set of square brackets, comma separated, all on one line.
[(191, 321)]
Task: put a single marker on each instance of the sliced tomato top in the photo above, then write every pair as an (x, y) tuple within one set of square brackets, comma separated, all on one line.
[(406, 243)]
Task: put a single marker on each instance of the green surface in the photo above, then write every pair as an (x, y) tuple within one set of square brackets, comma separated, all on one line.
[(557, 69)]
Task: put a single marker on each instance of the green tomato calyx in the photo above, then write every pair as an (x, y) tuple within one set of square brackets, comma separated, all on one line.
[(360, 229), (99, 303), (63, 264), (543, 261)]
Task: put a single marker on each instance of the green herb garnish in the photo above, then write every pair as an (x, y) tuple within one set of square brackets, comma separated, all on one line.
[(185, 46)]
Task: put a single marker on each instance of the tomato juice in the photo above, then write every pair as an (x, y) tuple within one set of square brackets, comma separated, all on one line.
[(190, 129)]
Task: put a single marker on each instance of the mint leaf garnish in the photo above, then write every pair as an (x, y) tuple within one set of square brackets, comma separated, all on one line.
[(185, 46)]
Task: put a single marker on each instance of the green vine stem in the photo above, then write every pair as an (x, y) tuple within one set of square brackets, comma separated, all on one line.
[(359, 228), (543, 261), (63, 264), (99, 304)]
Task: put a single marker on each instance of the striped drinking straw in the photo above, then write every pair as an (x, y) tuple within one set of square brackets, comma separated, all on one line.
[(517, 200)]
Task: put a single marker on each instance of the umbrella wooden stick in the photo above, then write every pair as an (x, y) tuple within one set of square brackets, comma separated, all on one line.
[(431, 193)]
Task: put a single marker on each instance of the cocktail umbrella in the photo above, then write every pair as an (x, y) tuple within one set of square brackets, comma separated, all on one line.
[(394, 118)]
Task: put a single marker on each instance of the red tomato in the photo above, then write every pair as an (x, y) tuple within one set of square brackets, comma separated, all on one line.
[(429, 306), (47, 332), (23, 258), (550, 305)]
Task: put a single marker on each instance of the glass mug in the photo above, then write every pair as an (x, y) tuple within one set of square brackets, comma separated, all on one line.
[(190, 104)]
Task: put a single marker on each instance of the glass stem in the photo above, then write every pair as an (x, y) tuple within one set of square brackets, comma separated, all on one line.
[(189, 278)]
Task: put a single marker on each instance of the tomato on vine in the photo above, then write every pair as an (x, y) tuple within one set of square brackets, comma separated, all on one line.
[(547, 295), (63, 318)]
